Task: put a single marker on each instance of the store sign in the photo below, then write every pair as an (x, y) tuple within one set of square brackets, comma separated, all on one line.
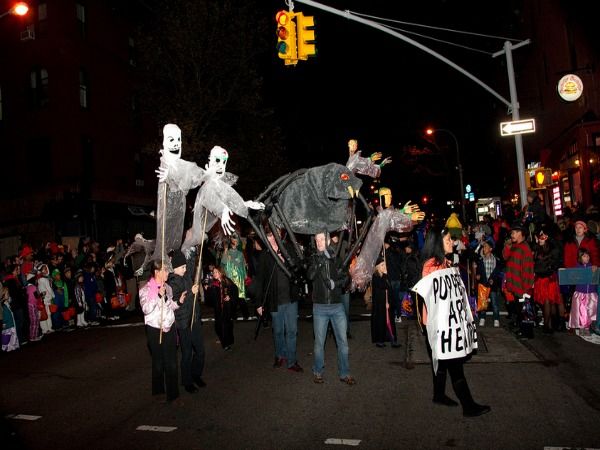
[(570, 87), (556, 201)]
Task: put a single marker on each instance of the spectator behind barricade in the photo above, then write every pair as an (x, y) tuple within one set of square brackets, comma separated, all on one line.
[(80, 302), (44, 285), (582, 238), (584, 306), (546, 292), (27, 259), (10, 341), (18, 301), (61, 300), (536, 210), (33, 298), (90, 286), (113, 285), (489, 274)]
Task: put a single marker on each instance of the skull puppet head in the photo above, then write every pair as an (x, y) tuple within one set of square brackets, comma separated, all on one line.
[(171, 142), (217, 161)]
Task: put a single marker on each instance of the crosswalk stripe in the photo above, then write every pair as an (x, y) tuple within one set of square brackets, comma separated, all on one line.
[(156, 428), (23, 417), (337, 441)]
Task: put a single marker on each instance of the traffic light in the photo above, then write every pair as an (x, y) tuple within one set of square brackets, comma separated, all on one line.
[(286, 37), (539, 178), (306, 36), (543, 178)]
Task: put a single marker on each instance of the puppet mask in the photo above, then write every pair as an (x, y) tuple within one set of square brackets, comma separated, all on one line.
[(217, 161), (171, 142)]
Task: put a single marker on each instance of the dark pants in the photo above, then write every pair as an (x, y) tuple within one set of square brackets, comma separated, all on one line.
[(164, 362), (191, 342), (224, 322)]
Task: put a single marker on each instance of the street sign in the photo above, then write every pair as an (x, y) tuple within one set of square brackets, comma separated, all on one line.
[(517, 127)]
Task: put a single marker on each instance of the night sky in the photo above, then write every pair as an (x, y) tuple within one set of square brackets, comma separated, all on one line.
[(374, 87)]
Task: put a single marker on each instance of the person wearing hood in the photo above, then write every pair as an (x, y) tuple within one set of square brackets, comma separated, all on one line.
[(188, 321)]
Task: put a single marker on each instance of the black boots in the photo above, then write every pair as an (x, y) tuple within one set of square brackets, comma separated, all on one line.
[(439, 390), (470, 408)]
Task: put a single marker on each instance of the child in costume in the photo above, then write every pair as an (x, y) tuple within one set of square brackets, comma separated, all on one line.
[(584, 304)]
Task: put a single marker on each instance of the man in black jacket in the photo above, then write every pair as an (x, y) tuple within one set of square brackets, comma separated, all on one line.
[(279, 296), (191, 340), (327, 283)]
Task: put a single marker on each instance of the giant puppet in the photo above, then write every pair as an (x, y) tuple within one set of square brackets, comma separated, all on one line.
[(216, 199)]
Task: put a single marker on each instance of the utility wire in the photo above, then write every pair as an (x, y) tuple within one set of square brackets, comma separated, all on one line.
[(440, 40), (435, 28)]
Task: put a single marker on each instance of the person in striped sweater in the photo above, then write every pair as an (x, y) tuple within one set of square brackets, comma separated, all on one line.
[(519, 275)]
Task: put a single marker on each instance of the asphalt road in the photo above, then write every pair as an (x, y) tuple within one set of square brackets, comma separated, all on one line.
[(91, 389)]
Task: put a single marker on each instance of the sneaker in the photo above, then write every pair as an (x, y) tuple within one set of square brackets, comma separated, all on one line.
[(318, 379), (199, 382), (496, 323), (398, 320), (295, 368), (380, 344), (481, 322)]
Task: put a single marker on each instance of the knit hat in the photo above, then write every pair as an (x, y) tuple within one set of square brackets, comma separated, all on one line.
[(583, 224), (178, 259)]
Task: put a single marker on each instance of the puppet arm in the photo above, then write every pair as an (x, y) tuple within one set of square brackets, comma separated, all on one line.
[(254, 205)]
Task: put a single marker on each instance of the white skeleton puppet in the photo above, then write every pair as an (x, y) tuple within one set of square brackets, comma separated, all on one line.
[(217, 199), (364, 166), (176, 177)]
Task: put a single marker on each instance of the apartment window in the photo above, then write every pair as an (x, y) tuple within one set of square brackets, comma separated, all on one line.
[(38, 83), (81, 18), (83, 89), (42, 16)]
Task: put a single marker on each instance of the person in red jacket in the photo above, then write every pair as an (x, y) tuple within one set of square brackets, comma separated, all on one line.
[(581, 239)]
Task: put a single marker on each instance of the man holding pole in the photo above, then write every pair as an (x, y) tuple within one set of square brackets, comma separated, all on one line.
[(187, 319)]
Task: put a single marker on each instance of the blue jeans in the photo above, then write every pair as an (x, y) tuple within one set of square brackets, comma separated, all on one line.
[(346, 303), (495, 301), (322, 315), (285, 329)]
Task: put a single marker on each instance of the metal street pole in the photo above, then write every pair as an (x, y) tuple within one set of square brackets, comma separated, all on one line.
[(508, 48)]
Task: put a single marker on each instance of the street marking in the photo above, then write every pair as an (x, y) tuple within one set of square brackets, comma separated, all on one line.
[(570, 448), (156, 428), (336, 441), (22, 417)]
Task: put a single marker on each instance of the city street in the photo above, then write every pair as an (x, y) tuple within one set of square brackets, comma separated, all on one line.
[(91, 389)]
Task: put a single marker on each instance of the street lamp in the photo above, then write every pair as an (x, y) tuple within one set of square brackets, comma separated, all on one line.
[(18, 9), (430, 132)]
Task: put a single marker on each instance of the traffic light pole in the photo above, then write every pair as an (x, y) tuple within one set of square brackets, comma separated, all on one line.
[(513, 105), (508, 48)]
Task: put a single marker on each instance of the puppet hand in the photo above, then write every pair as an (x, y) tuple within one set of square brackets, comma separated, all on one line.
[(163, 173), (417, 216), (376, 156), (254, 205), (226, 222), (409, 209), (387, 160)]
